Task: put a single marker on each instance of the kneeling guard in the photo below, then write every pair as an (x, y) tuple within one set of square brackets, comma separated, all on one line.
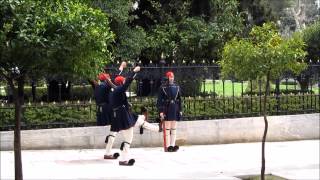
[(127, 163), (114, 156)]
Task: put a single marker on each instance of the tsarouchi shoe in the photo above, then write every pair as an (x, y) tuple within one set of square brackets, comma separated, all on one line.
[(114, 156), (127, 163)]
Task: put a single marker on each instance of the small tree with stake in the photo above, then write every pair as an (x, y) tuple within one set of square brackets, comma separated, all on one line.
[(40, 37), (264, 54)]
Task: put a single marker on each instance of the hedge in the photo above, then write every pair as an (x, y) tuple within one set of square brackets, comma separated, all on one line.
[(194, 108)]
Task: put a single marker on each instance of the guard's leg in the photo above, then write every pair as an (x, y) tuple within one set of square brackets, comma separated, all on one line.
[(125, 146), (109, 141), (173, 137), (168, 137), (146, 125)]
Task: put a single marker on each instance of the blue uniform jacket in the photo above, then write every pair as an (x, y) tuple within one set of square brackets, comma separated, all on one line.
[(169, 102), (123, 118), (101, 93)]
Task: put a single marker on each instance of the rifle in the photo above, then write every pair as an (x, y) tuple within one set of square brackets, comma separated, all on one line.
[(164, 134)]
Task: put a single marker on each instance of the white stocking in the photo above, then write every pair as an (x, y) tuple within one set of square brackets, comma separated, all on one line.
[(173, 137), (168, 139), (125, 146), (110, 139)]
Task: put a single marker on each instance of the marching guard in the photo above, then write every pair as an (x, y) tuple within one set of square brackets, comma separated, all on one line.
[(101, 93), (124, 120)]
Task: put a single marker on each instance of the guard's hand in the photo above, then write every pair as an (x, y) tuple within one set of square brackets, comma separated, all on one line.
[(180, 113), (108, 76), (136, 69), (123, 65), (161, 116)]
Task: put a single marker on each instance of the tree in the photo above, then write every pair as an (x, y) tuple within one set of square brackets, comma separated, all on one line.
[(256, 12), (265, 54), (311, 36), (39, 37), (182, 31), (130, 38)]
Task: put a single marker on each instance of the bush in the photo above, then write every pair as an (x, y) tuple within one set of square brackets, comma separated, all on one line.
[(78, 92), (82, 93), (41, 93), (190, 87), (282, 91), (193, 108), (50, 113)]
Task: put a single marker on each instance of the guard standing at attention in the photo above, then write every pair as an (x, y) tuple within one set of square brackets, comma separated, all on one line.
[(170, 111)]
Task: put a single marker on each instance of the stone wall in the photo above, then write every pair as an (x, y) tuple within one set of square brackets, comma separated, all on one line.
[(220, 131)]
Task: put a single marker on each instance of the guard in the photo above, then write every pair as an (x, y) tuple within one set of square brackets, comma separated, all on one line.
[(124, 120), (101, 93), (170, 111)]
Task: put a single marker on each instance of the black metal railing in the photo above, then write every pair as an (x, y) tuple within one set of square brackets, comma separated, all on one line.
[(205, 96)]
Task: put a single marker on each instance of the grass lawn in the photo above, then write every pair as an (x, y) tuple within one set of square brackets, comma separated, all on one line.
[(218, 87)]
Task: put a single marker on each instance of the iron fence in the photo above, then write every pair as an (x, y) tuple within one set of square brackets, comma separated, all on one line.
[(205, 96)]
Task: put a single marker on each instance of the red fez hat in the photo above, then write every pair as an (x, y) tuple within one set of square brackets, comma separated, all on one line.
[(103, 76), (119, 80), (169, 74)]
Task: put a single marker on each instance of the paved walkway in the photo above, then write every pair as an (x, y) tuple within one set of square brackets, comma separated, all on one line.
[(291, 160)]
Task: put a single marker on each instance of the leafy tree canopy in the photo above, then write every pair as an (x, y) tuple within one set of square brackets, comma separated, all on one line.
[(130, 39), (264, 53), (311, 36), (179, 32), (53, 36)]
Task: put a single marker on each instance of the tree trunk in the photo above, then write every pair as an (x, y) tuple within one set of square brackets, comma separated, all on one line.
[(265, 125), (18, 101)]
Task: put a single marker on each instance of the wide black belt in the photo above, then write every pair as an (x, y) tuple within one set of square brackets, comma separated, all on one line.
[(172, 101), (101, 104), (116, 109)]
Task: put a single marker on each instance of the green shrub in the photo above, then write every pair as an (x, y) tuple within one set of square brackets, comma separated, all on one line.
[(41, 93), (82, 93), (193, 108), (282, 91)]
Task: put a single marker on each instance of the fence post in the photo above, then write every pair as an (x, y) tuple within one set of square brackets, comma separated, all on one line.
[(242, 101), (318, 92), (260, 105), (251, 92), (48, 86), (60, 84), (278, 95), (223, 95), (33, 90)]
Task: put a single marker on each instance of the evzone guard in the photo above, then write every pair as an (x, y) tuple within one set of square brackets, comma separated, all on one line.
[(101, 93), (123, 120), (170, 111)]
